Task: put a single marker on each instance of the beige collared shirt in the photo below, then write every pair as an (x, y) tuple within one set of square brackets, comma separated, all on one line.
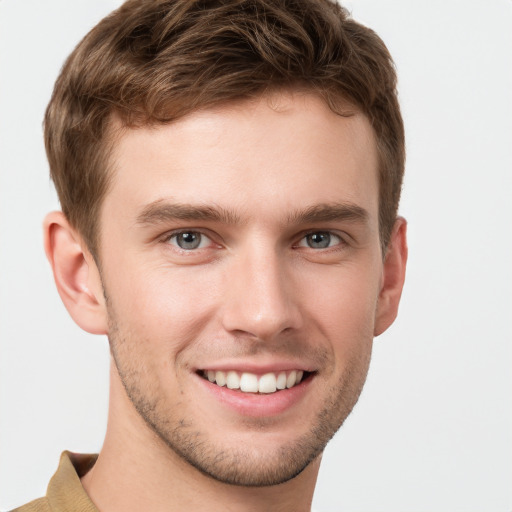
[(65, 492)]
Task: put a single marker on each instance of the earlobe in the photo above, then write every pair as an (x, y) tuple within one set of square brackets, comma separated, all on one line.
[(76, 275), (393, 277)]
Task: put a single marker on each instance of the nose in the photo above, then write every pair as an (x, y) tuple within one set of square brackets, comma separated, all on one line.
[(259, 299)]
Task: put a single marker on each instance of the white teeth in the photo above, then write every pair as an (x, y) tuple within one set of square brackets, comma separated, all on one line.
[(292, 377), (267, 383), (251, 383), (281, 381), (220, 378), (232, 380)]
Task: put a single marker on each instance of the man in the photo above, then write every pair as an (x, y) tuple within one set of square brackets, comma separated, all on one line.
[(229, 174)]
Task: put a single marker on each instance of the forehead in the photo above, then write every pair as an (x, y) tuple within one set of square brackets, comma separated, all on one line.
[(279, 152)]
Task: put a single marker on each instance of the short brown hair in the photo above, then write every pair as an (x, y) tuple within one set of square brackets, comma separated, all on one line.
[(151, 62)]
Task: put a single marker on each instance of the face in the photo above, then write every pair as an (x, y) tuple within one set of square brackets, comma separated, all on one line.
[(241, 263)]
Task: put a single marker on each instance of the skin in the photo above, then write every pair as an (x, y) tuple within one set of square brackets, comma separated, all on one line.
[(258, 293)]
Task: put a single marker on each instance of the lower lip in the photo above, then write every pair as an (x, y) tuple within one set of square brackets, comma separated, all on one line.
[(256, 404)]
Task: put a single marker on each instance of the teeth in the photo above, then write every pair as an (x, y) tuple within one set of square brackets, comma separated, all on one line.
[(251, 383), (281, 381), (220, 378), (232, 380), (267, 383), (292, 378)]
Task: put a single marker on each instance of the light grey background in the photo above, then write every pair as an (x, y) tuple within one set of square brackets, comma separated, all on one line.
[(433, 429)]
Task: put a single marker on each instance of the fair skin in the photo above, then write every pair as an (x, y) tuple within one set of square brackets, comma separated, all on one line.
[(237, 242)]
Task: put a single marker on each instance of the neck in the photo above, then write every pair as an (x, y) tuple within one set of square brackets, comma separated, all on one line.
[(137, 471)]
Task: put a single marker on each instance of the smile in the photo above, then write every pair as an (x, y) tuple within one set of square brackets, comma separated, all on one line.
[(251, 383)]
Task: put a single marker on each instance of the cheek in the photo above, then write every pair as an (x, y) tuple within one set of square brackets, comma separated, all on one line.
[(163, 306), (344, 309)]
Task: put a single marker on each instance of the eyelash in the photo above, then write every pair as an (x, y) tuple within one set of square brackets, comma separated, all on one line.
[(331, 234), (173, 235), (169, 236)]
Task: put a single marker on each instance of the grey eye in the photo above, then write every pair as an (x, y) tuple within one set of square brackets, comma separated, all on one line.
[(319, 240), (188, 240)]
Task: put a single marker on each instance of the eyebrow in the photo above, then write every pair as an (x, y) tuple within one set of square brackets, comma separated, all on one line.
[(330, 212), (161, 211)]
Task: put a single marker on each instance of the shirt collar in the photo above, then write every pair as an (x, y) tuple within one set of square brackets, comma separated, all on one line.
[(65, 492)]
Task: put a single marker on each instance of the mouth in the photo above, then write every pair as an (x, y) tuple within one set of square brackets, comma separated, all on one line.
[(246, 382)]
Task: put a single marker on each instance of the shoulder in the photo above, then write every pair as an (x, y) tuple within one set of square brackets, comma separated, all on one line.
[(39, 505)]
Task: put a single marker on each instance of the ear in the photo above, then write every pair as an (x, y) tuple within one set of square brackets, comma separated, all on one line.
[(393, 277), (76, 274)]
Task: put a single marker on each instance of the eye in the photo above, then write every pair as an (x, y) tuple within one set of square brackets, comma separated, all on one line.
[(320, 240), (189, 240)]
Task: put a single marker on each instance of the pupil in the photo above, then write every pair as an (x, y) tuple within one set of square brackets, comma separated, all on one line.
[(319, 240)]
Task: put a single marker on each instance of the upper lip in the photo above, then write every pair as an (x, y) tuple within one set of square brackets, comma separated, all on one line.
[(256, 368)]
